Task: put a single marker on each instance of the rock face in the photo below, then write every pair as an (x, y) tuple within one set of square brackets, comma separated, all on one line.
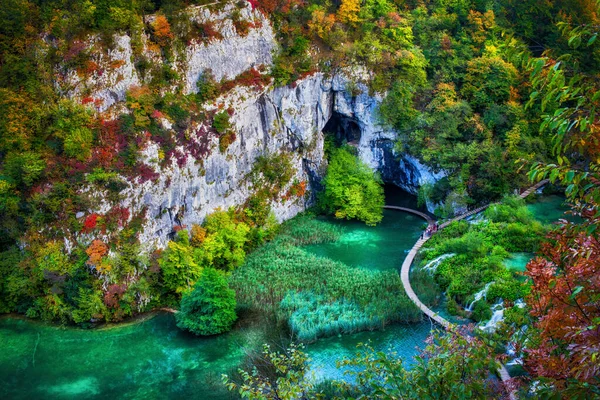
[(286, 119)]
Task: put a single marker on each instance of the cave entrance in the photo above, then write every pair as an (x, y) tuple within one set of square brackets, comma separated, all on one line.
[(343, 129)]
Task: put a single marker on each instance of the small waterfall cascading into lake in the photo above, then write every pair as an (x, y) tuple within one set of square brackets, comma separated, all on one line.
[(432, 265), (497, 316), (478, 296), (518, 336)]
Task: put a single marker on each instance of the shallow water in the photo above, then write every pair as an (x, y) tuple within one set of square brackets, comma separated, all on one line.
[(150, 359), (382, 247), (404, 340), (549, 209), (154, 359), (518, 261)]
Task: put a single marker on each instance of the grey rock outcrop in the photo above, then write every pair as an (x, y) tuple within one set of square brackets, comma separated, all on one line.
[(275, 120)]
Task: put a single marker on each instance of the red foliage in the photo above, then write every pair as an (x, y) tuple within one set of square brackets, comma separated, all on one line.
[(87, 100), (157, 114), (250, 78), (74, 50), (565, 304), (113, 295), (209, 32), (145, 173), (118, 214), (90, 223)]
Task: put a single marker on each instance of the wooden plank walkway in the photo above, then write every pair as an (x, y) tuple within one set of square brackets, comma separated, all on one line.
[(405, 272)]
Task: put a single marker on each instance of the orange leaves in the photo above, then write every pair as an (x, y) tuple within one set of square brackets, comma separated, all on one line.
[(96, 251), (321, 23), (162, 30), (198, 235)]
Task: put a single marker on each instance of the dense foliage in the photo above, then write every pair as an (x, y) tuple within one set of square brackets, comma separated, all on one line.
[(209, 308), (465, 257), (352, 190), (451, 366)]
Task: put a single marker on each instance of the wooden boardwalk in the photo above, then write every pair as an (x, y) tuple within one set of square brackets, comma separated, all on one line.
[(405, 272)]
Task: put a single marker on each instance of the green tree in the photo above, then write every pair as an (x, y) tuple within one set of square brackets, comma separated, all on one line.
[(89, 306), (178, 264), (225, 239), (352, 189), (209, 309), (488, 80)]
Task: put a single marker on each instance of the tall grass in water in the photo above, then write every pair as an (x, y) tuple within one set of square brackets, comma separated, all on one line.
[(305, 229), (319, 296)]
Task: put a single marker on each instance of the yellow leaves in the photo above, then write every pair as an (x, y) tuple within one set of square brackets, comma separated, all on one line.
[(198, 235), (348, 11), (321, 23)]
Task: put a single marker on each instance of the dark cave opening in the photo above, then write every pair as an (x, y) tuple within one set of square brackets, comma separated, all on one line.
[(343, 129)]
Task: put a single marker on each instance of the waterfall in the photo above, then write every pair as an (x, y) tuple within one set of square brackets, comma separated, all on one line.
[(478, 296), (498, 316), (432, 265)]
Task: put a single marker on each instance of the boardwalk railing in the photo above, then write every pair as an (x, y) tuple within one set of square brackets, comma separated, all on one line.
[(405, 271)]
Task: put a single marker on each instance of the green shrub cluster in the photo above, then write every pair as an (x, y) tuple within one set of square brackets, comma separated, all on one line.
[(352, 190), (209, 308), (480, 249)]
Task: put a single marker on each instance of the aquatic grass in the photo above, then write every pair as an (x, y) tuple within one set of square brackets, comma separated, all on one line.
[(331, 298), (306, 229)]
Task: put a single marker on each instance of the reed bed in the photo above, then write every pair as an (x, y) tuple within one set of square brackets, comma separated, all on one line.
[(318, 296)]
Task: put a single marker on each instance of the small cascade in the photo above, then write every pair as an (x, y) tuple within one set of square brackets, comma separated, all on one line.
[(497, 316), (432, 265), (478, 296)]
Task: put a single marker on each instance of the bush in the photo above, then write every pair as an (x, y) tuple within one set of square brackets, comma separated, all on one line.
[(208, 87), (209, 309), (481, 311), (352, 189), (221, 122)]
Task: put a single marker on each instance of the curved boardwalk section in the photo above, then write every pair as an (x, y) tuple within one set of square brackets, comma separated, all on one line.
[(405, 270)]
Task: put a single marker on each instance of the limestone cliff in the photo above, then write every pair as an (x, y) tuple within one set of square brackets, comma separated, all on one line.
[(273, 120)]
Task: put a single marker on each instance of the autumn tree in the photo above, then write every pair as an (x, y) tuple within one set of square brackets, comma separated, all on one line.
[(348, 11), (565, 304), (162, 30), (565, 300), (178, 263)]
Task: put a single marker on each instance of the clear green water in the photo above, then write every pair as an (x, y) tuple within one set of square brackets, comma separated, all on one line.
[(154, 359), (147, 360), (382, 247), (405, 340), (549, 209), (518, 261)]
